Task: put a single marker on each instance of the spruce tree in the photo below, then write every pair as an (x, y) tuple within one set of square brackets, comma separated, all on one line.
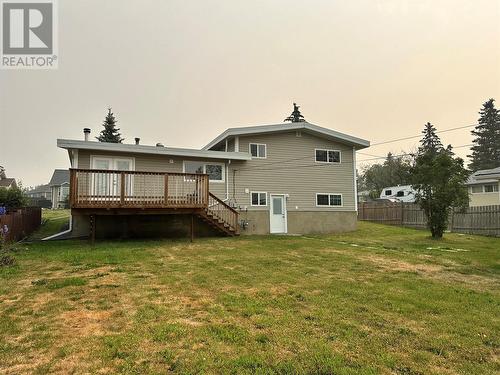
[(486, 149), (110, 132), (439, 179), (430, 141), (296, 116)]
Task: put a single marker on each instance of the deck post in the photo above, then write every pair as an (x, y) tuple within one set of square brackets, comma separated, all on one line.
[(192, 227), (92, 229)]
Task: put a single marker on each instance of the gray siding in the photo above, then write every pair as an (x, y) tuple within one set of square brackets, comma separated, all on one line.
[(290, 168)]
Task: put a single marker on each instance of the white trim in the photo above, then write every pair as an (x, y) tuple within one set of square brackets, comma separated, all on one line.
[(285, 212), (236, 144), (262, 129), (355, 179), (327, 150), (141, 149), (112, 158), (257, 144), (75, 159), (258, 205), (223, 165), (329, 205)]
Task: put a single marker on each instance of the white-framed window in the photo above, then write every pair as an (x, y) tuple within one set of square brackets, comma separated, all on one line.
[(258, 150), (215, 171), (388, 192), (328, 200), (327, 156), (491, 188), (258, 198)]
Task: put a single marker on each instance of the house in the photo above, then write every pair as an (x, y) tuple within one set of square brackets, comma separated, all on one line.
[(399, 193), (483, 187), (59, 187), (6, 182), (287, 178), (40, 196), (40, 192)]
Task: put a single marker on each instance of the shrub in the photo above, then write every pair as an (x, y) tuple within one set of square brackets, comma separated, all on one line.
[(13, 198)]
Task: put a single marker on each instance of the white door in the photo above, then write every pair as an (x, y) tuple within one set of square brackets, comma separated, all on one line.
[(278, 214), (107, 184)]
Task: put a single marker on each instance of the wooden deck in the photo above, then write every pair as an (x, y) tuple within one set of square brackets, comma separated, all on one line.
[(107, 192)]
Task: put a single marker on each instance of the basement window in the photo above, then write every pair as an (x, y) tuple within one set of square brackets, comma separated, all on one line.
[(327, 156), (258, 198), (328, 200)]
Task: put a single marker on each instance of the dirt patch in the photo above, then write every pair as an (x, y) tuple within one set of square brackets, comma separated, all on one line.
[(399, 265), (86, 322)]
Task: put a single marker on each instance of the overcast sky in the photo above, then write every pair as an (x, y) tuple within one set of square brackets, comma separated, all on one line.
[(180, 72)]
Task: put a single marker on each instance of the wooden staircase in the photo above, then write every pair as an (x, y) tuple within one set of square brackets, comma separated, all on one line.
[(220, 216)]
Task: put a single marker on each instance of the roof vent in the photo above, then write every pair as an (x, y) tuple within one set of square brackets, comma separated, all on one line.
[(86, 132), (137, 140), (159, 145)]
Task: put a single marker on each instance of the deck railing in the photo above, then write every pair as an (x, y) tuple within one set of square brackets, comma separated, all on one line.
[(93, 188), (223, 212)]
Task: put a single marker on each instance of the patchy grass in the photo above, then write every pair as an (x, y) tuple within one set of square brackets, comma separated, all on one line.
[(380, 300), (53, 221)]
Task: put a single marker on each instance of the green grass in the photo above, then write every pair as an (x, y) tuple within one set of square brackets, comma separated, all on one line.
[(53, 221), (379, 300)]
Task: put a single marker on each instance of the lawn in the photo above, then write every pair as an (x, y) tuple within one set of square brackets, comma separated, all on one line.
[(380, 300), (54, 221)]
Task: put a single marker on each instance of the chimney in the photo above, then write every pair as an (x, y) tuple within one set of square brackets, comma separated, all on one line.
[(137, 140), (86, 132)]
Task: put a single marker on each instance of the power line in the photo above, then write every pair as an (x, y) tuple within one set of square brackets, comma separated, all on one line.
[(420, 135), (407, 154)]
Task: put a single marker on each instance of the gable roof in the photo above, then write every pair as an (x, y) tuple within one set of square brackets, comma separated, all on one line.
[(7, 182), (155, 150), (39, 189), (484, 176), (59, 177), (304, 126)]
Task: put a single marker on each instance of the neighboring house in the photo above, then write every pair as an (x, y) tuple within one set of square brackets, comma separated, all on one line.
[(40, 191), (40, 196), (6, 182), (400, 193), (286, 178), (59, 186), (484, 188)]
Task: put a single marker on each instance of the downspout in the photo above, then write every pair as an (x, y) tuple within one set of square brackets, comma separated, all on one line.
[(355, 179), (227, 178)]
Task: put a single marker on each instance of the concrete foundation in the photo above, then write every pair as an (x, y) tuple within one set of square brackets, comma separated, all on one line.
[(302, 222)]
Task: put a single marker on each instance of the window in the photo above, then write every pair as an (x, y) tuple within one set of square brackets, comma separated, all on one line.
[(388, 192), (477, 189), (490, 188), (215, 171), (258, 150), (258, 198), (328, 200), (327, 156), (400, 193)]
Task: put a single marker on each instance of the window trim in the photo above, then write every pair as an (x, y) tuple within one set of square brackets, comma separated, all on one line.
[(490, 192), (257, 144), (258, 205), (329, 205), (327, 162), (223, 165)]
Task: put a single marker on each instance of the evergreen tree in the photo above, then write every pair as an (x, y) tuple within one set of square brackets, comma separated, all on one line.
[(110, 132), (486, 149), (296, 116), (430, 141), (439, 179)]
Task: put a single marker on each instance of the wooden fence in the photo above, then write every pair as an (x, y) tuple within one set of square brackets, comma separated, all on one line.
[(21, 222), (484, 220)]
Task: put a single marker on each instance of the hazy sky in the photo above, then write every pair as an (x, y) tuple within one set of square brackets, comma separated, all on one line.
[(180, 72)]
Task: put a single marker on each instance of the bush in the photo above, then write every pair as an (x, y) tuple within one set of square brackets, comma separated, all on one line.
[(13, 198)]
